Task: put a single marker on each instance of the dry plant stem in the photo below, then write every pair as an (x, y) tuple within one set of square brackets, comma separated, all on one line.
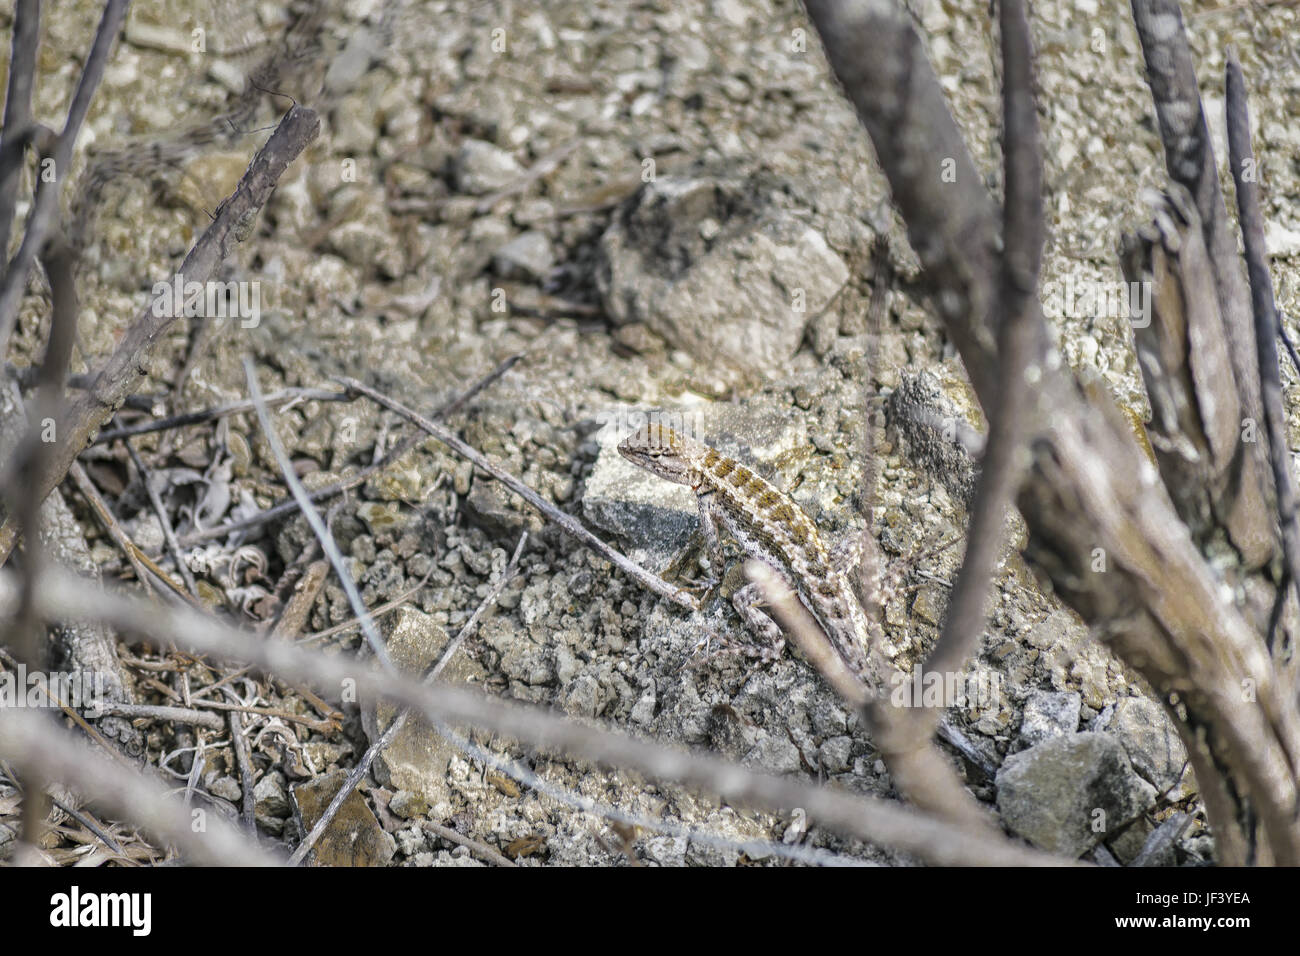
[(1021, 347), (45, 209), (83, 818), (110, 523), (286, 396), (322, 726), (298, 606), (1090, 489), (184, 715), (566, 522), (164, 520), (394, 728), (18, 112), (246, 781), (481, 850), (923, 774), (61, 595), (393, 454), (36, 746), (145, 567), (124, 369), (1245, 174), (313, 517), (26, 378)]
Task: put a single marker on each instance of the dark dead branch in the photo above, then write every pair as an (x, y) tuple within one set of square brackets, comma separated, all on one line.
[(124, 369), (1106, 534), (1245, 175), (1189, 159), (16, 131), (45, 209)]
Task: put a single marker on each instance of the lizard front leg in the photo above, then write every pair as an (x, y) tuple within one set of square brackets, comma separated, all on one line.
[(747, 600), (712, 539), (748, 603)]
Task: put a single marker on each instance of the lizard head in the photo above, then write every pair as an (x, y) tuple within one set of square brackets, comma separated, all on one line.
[(663, 452)]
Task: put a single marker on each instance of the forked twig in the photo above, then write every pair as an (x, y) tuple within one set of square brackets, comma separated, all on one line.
[(320, 494), (566, 522)]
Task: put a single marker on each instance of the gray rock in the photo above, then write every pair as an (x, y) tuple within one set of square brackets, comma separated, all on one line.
[(408, 805), (716, 271), (835, 754), (416, 760), (665, 850), (774, 754), (352, 62), (227, 788), (1066, 794), (269, 795), (481, 168), (706, 854), (584, 697), (366, 236), (354, 837), (270, 803), (661, 516), (1144, 730), (643, 713), (1050, 714), (932, 418), (526, 257)]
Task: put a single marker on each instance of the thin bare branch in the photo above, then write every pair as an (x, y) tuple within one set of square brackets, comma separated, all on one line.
[(183, 715), (45, 210), (164, 519), (1022, 338), (122, 373), (288, 396), (481, 850), (15, 132), (36, 746), (60, 595), (313, 517), (566, 522), (1245, 174)]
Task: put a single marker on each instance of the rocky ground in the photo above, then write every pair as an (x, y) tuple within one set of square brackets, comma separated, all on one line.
[(665, 207)]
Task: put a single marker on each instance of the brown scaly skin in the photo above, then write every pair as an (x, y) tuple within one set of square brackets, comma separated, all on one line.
[(769, 526)]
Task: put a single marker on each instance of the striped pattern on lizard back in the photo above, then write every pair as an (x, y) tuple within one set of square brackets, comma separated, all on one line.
[(766, 523)]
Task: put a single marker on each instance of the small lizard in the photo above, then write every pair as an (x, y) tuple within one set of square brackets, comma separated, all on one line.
[(769, 526)]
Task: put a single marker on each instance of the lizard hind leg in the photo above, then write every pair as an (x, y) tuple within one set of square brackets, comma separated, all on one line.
[(747, 601)]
